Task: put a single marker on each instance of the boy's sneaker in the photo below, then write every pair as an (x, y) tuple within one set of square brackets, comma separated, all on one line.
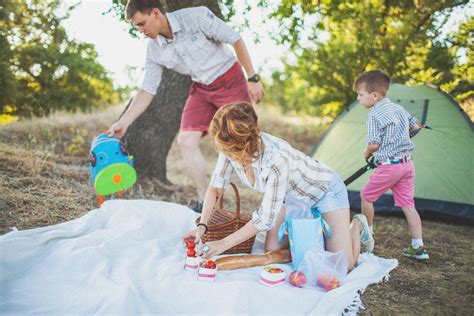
[(197, 207), (366, 238), (416, 253)]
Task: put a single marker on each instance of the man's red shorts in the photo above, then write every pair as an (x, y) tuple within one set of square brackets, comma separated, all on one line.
[(204, 100)]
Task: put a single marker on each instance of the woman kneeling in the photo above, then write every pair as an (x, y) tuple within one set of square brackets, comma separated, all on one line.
[(273, 167)]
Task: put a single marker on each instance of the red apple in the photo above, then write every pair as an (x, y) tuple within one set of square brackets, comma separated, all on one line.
[(190, 244), (209, 264), (297, 278), (328, 282)]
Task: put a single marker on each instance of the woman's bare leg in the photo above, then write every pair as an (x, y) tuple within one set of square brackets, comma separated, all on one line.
[(271, 241), (344, 236)]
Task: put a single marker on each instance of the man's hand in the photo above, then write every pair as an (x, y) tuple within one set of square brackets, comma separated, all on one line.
[(256, 91), (118, 129), (139, 104)]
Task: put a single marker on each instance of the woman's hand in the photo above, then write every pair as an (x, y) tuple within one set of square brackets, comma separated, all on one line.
[(191, 235), (214, 248), (194, 235)]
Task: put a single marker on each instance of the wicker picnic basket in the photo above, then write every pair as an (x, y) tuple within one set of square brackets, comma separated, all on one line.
[(223, 223)]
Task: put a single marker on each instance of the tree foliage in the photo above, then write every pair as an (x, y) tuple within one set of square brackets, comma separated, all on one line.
[(41, 69), (335, 41), (223, 9)]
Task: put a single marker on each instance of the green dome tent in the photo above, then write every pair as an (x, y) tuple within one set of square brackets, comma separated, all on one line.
[(444, 156)]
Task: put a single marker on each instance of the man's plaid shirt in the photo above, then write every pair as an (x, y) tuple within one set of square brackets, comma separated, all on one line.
[(198, 48), (280, 170), (388, 124)]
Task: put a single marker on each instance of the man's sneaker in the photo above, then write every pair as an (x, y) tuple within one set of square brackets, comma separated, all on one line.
[(416, 253), (197, 207), (366, 238)]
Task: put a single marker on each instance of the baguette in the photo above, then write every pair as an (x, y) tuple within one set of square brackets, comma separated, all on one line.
[(247, 261)]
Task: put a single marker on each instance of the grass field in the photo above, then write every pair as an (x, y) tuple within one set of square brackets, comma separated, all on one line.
[(44, 180)]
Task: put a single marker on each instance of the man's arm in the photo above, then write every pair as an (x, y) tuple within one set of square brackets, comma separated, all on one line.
[(217, 30), (139, 104), (256, 90)]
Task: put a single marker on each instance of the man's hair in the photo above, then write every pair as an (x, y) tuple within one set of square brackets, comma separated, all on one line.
[(373, 81), (144, 6), (235, 131)]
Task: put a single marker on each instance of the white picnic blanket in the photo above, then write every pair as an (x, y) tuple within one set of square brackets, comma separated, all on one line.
[(127, 258)]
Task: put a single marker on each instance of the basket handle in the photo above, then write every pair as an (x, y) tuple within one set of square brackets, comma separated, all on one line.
[(237, 200)]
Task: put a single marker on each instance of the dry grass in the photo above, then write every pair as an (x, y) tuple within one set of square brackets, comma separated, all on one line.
[(44, 181)]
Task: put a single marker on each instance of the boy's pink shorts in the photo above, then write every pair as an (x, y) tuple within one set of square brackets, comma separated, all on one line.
[(204, 100), (399, 178)]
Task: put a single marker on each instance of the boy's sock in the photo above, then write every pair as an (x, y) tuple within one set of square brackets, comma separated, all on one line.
[(371, 227), (416, 243)]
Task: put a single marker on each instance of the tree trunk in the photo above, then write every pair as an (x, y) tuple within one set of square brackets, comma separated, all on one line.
[(149, 138), (173, 5)]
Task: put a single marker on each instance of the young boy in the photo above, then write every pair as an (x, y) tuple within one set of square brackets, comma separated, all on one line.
[(389, 127), (194, 42)]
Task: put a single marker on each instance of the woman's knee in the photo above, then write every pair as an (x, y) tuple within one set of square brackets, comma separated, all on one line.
[(351, 263), (340, 239)]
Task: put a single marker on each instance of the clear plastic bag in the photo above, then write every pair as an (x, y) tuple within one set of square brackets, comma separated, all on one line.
[(323, 269), (297, 207)]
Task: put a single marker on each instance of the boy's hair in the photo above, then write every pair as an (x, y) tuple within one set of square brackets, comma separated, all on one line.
[(235, 131), (143, 6), (373, 81)]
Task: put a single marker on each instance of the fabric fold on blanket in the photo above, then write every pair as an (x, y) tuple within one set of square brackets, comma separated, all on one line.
[(127, 258)]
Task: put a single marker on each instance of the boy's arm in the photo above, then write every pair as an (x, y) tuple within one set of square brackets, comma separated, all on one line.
[(415, 125), (414, 130), (371, 148), (374, 136), (256, 90)]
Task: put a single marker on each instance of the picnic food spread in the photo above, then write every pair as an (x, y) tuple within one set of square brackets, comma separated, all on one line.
[(247, 261), (270, 276)]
